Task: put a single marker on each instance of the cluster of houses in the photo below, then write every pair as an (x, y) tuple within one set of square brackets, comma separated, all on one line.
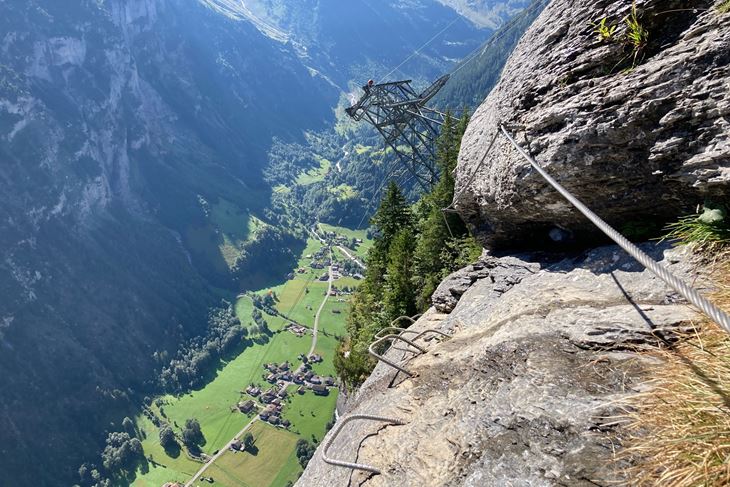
[(337, 239), (281, 376), (298, 330), (272, 400), (339, 292), (320, 259)]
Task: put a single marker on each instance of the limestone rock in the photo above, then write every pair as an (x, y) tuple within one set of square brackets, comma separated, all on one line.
[(524, 392), (638, 145), (502, 273)]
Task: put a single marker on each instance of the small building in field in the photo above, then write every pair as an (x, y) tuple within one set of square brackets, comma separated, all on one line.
[(266, 413), (320, 390), (246, 407)]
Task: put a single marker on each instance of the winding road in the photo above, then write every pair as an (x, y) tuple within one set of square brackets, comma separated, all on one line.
[(315, 330), (321, 307)]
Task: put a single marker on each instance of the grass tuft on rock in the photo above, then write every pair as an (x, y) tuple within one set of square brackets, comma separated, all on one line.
[(679, 433), (707, 232)]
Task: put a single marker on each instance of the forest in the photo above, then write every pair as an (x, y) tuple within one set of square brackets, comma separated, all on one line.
[(416, 246)]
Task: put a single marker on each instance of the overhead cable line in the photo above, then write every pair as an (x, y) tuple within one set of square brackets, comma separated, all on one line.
[(499, 35), (425, 45)]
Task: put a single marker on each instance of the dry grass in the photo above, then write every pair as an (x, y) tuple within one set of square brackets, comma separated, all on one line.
[(680, 429)]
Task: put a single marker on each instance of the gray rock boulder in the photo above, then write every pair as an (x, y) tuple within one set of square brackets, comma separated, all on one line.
[(502, 273), (526, 391), (638, 145)]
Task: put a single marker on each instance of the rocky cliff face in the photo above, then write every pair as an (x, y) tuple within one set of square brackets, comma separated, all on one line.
[(639, 145), (544, 348), (526, 390)]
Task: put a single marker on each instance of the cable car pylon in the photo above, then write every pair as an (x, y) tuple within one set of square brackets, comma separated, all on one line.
[(409, 127)]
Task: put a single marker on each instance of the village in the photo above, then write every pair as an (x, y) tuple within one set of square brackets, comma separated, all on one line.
[(271, 401), (293, 383), (320, 260)]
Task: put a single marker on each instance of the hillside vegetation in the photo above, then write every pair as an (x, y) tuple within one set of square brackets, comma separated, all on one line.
[(414, 248)]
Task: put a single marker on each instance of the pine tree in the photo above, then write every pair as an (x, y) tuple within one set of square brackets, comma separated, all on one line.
[(392, 216), (442, 234), (386, 281), (410, 256), (398, 298)]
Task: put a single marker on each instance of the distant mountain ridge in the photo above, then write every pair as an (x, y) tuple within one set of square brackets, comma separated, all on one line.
[(487, 13), (361, 39)]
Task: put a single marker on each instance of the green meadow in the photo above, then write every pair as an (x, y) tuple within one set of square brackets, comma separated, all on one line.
[(275, 462), (316, 174), (219, 239)]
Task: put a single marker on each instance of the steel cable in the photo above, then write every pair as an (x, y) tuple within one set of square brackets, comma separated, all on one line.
[(689, 293)]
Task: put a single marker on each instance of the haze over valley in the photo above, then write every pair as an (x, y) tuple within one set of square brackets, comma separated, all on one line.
[(165, 168)]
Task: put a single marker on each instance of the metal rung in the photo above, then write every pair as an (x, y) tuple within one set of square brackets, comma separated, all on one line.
[(431, 330), (338, 428), (385, 360), (389, 329), (412, 319), (402, 331), (392, 326)]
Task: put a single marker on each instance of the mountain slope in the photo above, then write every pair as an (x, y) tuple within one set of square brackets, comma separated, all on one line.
[(114, 121), (362, 39), (474, 78), (131, 132)]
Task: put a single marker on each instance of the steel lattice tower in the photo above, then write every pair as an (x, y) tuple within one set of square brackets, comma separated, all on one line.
[(408, 126)]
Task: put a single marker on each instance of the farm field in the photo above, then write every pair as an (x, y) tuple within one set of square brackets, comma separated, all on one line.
[(275, 463), (326, 347), (272, 464), (220, 238), (307, 411), (334, 323), (316, 174), (362, 249)]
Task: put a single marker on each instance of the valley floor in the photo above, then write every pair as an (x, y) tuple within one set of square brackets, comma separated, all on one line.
[(274, 462)]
